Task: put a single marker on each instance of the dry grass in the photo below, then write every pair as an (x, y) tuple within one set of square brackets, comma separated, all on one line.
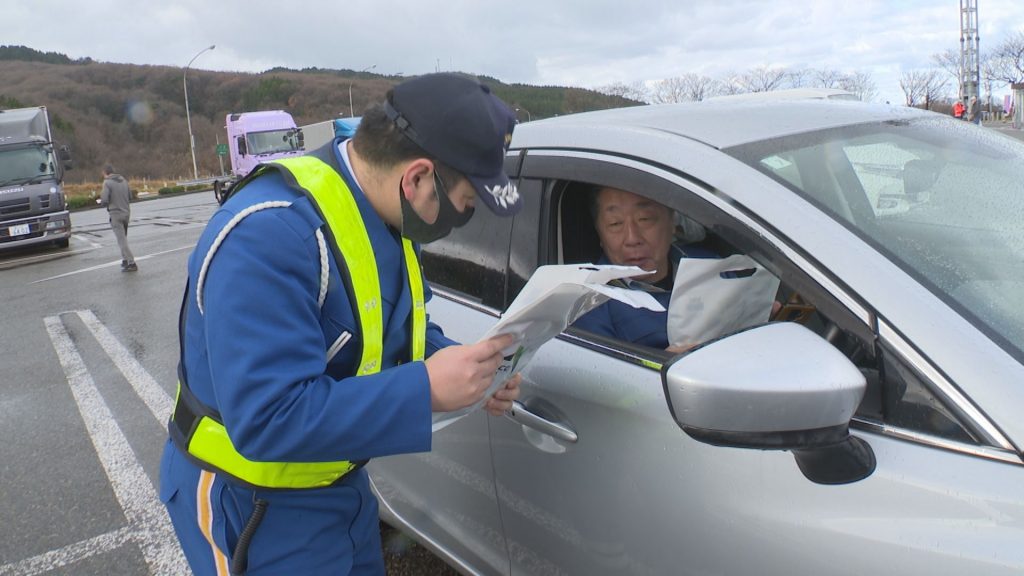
[(92, 189)]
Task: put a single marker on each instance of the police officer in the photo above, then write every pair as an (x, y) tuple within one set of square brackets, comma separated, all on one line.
[(305, 346)]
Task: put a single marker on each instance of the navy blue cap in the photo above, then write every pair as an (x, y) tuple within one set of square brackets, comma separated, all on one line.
[(457, 120)]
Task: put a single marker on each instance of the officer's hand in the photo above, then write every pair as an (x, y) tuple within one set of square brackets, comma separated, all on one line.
[(503, 397), (459, 375)]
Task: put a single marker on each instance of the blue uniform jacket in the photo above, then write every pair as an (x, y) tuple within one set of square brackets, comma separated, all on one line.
[(258, 355), (638, 325)]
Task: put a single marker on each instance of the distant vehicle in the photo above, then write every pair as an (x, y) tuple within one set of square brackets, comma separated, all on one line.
[(255, 137), (791, 94), (33, 209), (872, 427), (320, 133)]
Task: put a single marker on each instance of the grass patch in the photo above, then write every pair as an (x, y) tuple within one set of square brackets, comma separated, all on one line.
[(83, 195)]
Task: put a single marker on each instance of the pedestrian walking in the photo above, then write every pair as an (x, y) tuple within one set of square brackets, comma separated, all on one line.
[(305, 344), (974, 110), (117, 197)]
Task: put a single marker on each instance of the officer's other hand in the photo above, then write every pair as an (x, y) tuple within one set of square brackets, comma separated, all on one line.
[(503, 397), (459, 375)]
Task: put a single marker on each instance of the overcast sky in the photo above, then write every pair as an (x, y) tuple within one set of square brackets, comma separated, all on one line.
[(585, 43)]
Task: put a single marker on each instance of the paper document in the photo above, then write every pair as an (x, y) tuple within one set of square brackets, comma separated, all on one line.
[(553, 298), (713, 297)]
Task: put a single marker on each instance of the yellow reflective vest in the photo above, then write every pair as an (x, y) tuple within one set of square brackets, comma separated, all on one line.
[(198, 431)]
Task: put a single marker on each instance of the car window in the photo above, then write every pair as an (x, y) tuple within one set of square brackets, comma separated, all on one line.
[(897, 395), (948, 210), (472, 260)]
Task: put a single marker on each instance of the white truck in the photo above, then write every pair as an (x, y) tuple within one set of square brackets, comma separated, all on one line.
[(317, 134)]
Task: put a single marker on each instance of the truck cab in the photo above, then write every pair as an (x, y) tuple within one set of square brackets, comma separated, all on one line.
[(255, 137), (33, 209)]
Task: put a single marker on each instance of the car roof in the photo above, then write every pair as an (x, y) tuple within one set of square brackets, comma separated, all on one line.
[(791, 94), (718, 123)]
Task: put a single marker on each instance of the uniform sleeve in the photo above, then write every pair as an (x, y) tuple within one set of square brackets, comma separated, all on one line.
[(105, 193), (267, 359)]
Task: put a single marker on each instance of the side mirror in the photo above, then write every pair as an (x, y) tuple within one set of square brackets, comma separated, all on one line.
[(774, 387), (64, 154)]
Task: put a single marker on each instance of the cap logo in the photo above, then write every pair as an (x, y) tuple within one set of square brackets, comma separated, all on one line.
[(504, 196)]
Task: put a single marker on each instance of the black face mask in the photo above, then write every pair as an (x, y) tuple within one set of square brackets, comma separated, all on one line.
[(416, 229)]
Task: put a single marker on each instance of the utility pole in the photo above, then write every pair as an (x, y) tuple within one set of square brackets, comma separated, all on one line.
[(969, 48), (351, 109), (188, 117)]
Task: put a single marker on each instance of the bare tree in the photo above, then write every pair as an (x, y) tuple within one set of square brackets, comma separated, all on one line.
[(859, 83), (1008, 60), (697, 87), (923, 86), (799, 77), (668, 91), (827, 77), (949, 62), (633, 90), (733, 84), (762, 79)]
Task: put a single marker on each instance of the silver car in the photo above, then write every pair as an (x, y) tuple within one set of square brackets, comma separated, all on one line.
[(875, 427)]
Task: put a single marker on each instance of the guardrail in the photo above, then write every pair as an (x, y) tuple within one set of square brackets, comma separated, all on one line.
[(199, 181)]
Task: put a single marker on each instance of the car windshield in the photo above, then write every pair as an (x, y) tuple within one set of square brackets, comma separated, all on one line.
[(942, 199), (22, 165), (273, 141)]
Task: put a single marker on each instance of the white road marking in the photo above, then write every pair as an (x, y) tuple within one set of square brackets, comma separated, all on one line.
[(114, 263), (148, 524), (81, 238), (69, 554), (159, 402)]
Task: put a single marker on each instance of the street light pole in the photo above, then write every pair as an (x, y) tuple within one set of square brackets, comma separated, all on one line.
[(351, 109), (529, 117), (188, 117)]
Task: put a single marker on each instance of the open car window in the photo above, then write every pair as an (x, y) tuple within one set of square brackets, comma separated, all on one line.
[(897, 396)]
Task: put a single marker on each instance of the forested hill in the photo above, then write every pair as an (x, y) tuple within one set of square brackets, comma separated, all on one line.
[(134, 116)]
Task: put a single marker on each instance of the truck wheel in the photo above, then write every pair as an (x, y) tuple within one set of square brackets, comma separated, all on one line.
[(218, 191)]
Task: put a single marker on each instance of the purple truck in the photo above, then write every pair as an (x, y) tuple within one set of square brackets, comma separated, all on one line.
[(255, 137)]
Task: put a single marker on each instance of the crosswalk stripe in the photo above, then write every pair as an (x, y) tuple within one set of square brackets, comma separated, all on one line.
[(68, 555), (148, 524), (159, 402)]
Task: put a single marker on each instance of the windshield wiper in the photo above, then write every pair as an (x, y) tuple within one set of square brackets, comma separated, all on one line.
[(24, 180)]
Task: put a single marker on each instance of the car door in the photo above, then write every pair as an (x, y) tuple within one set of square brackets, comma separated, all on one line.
[(634, 494), (446, 497)]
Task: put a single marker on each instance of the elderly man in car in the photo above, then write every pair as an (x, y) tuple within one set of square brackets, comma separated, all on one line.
[(637, 231)]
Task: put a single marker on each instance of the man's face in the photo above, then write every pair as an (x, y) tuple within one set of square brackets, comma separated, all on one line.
[(635, 231), (462, 196)]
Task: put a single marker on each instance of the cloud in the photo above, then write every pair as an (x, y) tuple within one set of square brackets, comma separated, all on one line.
[(567, 42)]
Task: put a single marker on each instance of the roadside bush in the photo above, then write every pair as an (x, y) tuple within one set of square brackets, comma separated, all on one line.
[(80, 202), (170, 190)]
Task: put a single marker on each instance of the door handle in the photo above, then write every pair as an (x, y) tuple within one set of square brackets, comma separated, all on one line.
[(518, 413)]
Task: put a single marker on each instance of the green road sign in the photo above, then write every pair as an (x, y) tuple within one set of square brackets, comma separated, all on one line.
[(222, 149)]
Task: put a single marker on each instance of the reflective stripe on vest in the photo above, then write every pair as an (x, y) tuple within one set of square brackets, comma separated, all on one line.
[(200, 430)]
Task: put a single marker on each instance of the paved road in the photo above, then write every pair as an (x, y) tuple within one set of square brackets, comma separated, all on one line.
[(86, 385)]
